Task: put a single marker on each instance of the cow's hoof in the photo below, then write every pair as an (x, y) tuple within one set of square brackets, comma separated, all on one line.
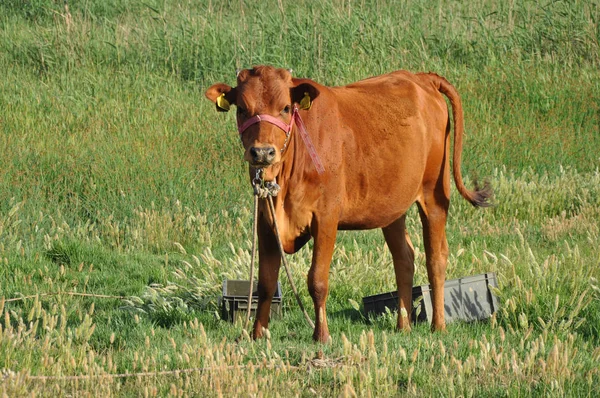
[(323, 338), (403, 328), (259, 332)]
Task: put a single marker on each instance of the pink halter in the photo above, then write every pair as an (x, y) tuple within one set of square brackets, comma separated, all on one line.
[(287, 129), (269, 119)]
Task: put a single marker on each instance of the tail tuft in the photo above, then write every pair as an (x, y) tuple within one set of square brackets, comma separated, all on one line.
[(481, 196)]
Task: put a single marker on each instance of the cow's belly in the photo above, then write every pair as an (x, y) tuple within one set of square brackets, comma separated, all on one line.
[(372, 220), (378, 211)]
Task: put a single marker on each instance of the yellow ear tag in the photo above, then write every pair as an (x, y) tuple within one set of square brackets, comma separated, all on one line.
[(222, 103), (305, 102)]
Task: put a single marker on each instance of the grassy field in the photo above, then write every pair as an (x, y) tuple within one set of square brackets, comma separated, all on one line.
[(118, 178)]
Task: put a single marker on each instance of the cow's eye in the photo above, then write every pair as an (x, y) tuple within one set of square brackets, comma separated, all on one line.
[(286, 110)]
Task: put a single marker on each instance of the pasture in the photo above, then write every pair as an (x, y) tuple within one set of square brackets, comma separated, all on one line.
[(118, 178)]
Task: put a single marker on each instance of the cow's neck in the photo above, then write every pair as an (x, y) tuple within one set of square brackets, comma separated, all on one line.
[(298, 180), (296, 169)]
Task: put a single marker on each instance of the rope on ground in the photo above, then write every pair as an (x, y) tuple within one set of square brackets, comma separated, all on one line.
[(105, 296), (317, 363), (175, 372)]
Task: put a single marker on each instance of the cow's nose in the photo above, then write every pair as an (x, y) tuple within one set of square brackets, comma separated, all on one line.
[(263, 155)]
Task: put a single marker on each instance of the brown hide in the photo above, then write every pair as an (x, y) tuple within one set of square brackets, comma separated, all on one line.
[(384, 143)]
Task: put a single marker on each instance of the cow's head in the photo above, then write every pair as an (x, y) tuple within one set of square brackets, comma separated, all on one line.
[(263, 90)]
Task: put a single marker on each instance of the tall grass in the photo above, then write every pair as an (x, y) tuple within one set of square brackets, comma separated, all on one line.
[(117, 177)]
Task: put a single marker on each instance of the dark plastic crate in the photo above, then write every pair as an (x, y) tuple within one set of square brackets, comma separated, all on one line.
[(466, 299), (234, 303)]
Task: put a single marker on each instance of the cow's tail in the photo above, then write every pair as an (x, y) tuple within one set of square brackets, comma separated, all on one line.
[(480, 196)]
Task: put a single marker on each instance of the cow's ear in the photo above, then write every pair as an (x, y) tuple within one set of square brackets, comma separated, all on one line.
[(222, 95), (304, 94)]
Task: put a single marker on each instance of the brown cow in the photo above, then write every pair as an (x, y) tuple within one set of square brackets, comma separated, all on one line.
[(384, 143)]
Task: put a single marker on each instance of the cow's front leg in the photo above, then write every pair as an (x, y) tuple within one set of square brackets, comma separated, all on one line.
[(268, 273), (324, 234)]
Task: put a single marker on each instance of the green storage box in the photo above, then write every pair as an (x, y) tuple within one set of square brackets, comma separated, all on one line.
[(466, 299), (234, 302)]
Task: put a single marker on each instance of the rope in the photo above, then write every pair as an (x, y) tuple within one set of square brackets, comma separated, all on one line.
[(252, 260), (285, 264), (9, 374), (319, 362), (266, 190), (64, 294)]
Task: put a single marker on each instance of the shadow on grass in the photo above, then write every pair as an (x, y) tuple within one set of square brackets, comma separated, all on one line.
[(349, 314)]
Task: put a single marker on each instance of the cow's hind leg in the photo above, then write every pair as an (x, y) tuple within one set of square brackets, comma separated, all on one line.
[(433, 209), (403, 256)]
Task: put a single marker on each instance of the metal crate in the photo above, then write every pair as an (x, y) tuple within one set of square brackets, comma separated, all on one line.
[(234, 303), (466, 299)]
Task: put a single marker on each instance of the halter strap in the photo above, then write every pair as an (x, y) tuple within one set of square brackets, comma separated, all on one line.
[(269, 119), (287, 129)]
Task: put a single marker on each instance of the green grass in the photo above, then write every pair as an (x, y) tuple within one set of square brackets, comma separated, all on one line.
[(117, 177)]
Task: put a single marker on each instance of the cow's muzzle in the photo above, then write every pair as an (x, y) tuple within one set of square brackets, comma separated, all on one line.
[(262, 156)]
